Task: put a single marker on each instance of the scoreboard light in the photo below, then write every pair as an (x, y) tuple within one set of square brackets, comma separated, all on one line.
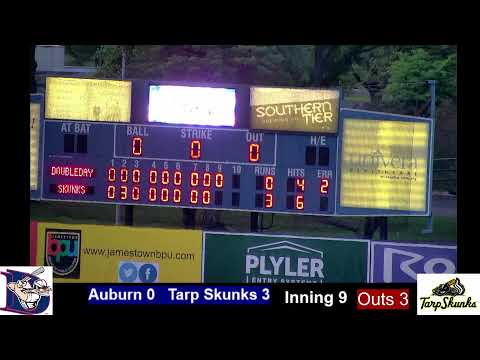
[(191, 105), (88, 99), (384, 164), (34, 144), (306, 110)]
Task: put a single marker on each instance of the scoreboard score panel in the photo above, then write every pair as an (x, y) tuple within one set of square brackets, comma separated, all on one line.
[(260, 149), (211, 168)]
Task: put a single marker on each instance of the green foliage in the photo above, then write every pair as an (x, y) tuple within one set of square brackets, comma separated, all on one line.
[(370, 69), (81, 54), (108, 59), (272, 65), (409, 73)]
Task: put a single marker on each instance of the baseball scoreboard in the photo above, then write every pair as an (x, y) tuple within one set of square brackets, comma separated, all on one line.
[(235, 147)]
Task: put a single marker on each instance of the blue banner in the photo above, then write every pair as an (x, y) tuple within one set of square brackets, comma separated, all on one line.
[(178, 295)]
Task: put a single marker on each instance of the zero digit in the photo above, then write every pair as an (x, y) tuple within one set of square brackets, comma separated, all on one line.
[(150, 294)]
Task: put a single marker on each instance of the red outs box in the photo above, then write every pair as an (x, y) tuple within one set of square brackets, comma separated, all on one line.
[(383, 299)]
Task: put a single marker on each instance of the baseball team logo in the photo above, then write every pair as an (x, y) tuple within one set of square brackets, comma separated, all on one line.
[(28, 290), (444, 294), (62, 252)]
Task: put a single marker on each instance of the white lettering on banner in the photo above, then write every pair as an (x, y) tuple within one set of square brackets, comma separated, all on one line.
[(137, 131), (82, 128), (202, 134), (405, 265), (66, 127), (318, 140), (304, 267)]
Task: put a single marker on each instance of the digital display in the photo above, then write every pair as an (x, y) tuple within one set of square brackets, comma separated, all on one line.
[(88, 99), (191, 105), (161, 165), (285, 109), (34, 144), (384, 164)]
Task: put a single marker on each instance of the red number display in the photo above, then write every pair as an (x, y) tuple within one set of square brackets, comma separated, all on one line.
[(219, 180), (254, 152), (153, 176), (195, 149), (177, 195), (111, 192), (268, 200), (207, 178), (123, 192), (268, 182), (137, 146), (152, 194), (206, 197), (194, 196), (124, 175), (300, 182), (194, 179), (324, 186), (136, 176), (165, 177), (135, 193), (164, 195), (177, 178), (299, 202), (111, 174)]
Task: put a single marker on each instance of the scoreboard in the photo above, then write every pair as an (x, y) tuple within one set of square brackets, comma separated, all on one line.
[(270, 150), (189, 167)]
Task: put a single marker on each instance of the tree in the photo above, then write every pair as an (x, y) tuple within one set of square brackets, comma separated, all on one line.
[(370, 69), (267, 65), (81, 54), (410, 72)]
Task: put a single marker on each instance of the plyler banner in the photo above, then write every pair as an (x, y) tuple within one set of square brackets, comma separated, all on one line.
[(88, 99), (101, 254), (261, 258)]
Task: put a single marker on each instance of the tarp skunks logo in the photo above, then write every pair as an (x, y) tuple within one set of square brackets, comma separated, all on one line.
[(444, 294), (26, 290)]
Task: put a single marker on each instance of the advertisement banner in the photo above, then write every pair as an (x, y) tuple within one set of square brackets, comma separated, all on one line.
[(384, 164), (399, 262), (88, 99), (100, 254), (305, 110), (254, 258)]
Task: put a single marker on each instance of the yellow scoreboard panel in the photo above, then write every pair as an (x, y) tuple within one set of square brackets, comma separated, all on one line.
[(384, 164), (88, 99), (34, 144)]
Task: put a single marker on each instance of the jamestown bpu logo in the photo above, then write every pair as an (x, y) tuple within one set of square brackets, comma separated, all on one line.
[(448, 295), (283, 262), (62, 252), (25, 291)]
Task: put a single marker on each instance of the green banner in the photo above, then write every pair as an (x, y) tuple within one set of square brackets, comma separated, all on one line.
[(252, 258)]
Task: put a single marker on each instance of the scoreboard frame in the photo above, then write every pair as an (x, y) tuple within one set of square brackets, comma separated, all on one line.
[(139, 117), (39, 98), (376, 115)]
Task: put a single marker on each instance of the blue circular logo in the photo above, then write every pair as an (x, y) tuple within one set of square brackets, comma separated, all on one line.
[(147, 273), (127, 272)]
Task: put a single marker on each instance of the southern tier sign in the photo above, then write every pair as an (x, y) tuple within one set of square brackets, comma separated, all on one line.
[(305, 110)]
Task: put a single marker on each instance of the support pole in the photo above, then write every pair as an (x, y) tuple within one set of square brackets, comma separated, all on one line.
[(432, 85), (254, 222), (124, 213)]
